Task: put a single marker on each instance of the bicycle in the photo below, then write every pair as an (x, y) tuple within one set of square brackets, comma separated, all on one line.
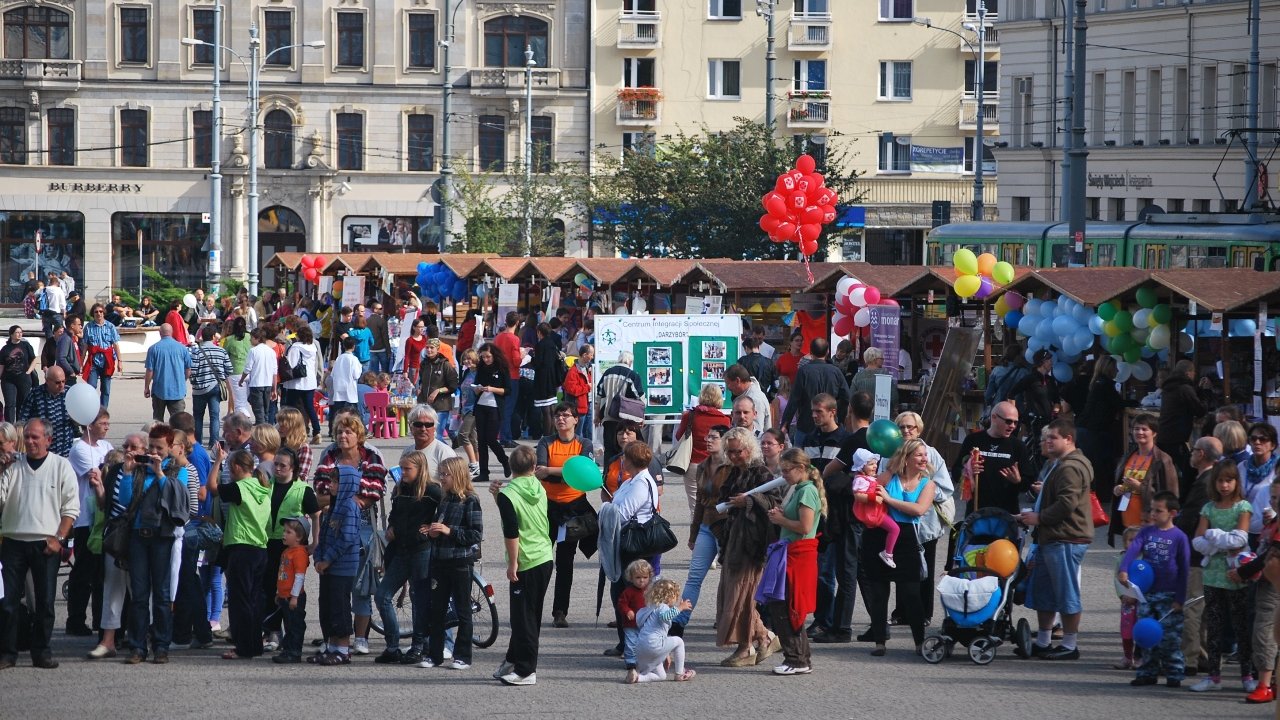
[(484, 611)]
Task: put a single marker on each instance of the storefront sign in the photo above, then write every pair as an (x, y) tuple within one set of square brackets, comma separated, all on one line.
[(675, 355), (1119, 180), (937, 159), (106, 188)]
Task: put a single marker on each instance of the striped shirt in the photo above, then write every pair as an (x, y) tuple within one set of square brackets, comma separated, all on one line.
[(211, 365), (40, 403)]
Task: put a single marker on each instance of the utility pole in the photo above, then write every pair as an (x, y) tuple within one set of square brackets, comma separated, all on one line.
[(766, 9), (446, 150), (528, 150), (1068, 86), (1078, 152), (215, 174), (980, 144), (255, 51), (1251, 143)]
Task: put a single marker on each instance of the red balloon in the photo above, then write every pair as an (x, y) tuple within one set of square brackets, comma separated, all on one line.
[(796, 175), (311, 274), (785, 183), (806, 164), (803, 185), (843, 324), (776, 237), (306, 261), (835, 198), (764, 201), (818, 179), (824, 197), (809, 232), (769, 223), (808, 247), (844, 306), (776, 206), (319, 262), (890, 302), (811, 215), (798, 200), (871, 295), (828, 215), (787, 231)]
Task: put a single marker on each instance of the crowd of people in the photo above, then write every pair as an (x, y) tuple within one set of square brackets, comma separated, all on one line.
[(786, 495)]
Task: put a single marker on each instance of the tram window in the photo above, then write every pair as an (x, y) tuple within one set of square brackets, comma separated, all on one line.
[(1178, 256), (1032, 256), (1157, 257), (1106, 255)]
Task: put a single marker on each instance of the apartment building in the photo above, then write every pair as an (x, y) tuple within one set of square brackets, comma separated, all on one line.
[(1166, 88), (106, 125), (870, 73)]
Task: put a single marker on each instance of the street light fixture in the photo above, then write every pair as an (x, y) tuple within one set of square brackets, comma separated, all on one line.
[(528, 150), (979, 81), (766, 10), (254, 65)]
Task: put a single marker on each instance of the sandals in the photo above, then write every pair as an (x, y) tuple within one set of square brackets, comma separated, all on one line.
[(739, 660), (331, 659), (769, 647), (687, 675)]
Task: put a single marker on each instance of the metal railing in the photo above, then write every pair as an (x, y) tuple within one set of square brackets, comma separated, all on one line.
[(809, 31), (809, 112), (990, 113), (640, 29), (644, 111), (915, 191)]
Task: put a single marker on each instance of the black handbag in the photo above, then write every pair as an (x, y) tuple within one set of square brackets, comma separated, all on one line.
[(582, 526), (117, 530), (646, 539)]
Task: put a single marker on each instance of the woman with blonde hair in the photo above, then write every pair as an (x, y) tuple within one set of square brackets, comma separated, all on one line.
[(797, 519), (292, 425), (743, 533), (264, 442), (941, 514), (415, 503), (907, 490), (455, 535)]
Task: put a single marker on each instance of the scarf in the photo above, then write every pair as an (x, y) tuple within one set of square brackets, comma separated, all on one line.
[(1257, 474)]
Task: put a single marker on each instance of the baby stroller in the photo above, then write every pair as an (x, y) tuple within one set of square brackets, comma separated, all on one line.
[(979, 602)]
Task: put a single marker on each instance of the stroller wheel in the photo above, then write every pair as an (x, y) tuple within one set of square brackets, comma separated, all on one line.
[(1022, 638), (934, 649), (983, 650)]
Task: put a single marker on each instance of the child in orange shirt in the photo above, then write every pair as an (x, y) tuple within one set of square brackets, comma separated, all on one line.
[(291, 598)]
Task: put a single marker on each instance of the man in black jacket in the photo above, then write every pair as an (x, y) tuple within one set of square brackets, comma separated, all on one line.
[(1180, 407), (815, 378), (760, 367), (1037, 392), (838, 573)]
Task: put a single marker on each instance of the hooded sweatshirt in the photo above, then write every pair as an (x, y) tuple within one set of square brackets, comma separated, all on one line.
[(529, 505), (1179, 407), (340, 530), (1065, 512)]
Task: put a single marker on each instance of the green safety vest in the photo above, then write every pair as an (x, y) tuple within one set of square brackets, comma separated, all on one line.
[(247, 520), (290, 506)]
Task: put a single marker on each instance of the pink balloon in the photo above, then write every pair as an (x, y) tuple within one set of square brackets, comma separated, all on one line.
[(843, 324), (872, 296), (889, 302), (843, 305), (806, 164), (1014, 300), (862, 318)]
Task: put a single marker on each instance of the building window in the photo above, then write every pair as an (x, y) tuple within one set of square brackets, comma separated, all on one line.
[(505, 39), (1022, 209), (351, 39), (350, 141), (1155, 105), (1181, 105), (133, 35), (202, 30), (171, 244), (62, 136), (62, 234), (639, 72), (278, 135), (422, 40), (1093, 208), (202, 136), (1238, 113), (1098, 106), (540, 133), (37, 33), (13, 136), (990, 78), (810, 75), (642, 143), (897, 10), (988, 158), (895, 81), (1209, 104), (277, 31), (493, 143), (422, 142), (1176, 205), (1117, 209), (1022, 113), (1267, 96), (811, 7), (133, 138), (724, 79), (725, 9), (993, 8), (1128, 106), (895, 153)]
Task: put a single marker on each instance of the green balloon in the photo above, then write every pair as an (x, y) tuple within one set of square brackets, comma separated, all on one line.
[(582, 473), (1147, 297), (884, 438), (1132, 355), (1162, 313), (1106, 311), (1120, 344), (1123, 320)]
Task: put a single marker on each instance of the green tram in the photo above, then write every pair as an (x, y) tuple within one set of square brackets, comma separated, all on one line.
[(1159, 241)]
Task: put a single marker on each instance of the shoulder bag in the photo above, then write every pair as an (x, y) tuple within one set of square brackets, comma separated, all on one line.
[(678, 461), (116, 532), (646, 539)]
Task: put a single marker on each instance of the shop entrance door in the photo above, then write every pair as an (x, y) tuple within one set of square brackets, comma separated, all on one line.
[(279, 230)]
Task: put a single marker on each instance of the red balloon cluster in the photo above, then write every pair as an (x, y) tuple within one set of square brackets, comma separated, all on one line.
[(798, 206), (311, 267), (853, 301)]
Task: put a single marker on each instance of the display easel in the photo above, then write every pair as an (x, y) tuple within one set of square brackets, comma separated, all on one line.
[(943, 407)]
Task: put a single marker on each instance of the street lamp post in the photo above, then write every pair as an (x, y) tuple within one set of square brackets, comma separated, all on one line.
[(215, 174), (255, 88), (446, 149), (766, 9), (528, 150)]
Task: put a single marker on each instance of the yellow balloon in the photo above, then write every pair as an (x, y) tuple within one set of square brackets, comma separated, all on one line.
[(1111, 329), (569, 360), (1002, 273), (967, 285), (1002, 306), (965, 263)]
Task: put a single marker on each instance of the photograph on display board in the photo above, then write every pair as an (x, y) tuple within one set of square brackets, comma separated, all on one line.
[(713, 371), (659, 375), (660, 356), (386, 233), (713, 350), (659, 397), (724, 392)]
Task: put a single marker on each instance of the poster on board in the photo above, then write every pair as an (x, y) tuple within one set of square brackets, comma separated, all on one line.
[(885, 334), (709, 358), (661, 368), (352, 290), (688, 345), (508, 301)]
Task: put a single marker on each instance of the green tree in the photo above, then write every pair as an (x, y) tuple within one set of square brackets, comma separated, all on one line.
[(698, 194), (492, 208)]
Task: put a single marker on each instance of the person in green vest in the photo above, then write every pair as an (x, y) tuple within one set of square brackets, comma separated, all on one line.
[(289, 498), (244, 547), (522, 504)]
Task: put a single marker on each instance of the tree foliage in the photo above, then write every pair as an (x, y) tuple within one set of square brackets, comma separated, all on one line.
[(698, 194), (492, 209)]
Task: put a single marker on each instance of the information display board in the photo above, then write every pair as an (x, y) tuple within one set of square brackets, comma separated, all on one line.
[(673, 354)]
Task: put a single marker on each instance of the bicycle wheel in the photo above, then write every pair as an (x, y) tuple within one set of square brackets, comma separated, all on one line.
[(484, 613), (403, 603)]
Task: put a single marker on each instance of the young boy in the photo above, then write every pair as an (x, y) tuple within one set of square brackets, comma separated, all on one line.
[(337, 562), (291, 598), (1168, 552)]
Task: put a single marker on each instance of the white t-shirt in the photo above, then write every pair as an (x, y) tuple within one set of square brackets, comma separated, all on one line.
[(55, 299), (344, 376), (260, 366), (437, 452), (85, 457)]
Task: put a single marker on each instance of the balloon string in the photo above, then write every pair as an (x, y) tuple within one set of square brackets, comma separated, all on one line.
[(807, 270)]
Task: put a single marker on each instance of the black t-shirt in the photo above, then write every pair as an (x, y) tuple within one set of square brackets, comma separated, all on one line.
[(857, 440), (823, 447), (994, 490), (16, 358)]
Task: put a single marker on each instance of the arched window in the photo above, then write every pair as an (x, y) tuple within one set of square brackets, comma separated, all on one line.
[(278, 135), (37, 33), (505, 39)]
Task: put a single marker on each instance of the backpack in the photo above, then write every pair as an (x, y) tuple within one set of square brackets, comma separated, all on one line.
[(44, 300)]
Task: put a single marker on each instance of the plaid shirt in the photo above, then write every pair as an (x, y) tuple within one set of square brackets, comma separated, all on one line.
[(53, 410), (101, 336), (305, 459), (466, 530)]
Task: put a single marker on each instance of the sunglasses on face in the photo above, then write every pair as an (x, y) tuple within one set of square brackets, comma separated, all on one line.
[(423, 425), (1259, 438), (1006, 420)]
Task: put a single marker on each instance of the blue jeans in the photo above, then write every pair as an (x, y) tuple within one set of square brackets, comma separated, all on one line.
[(199, 403), (704, 552), (1055, 578), (211, 579), (362, 596), (401, 568), (380, 361), (505, 436), (629, 638), (149, 560), (96, 377)]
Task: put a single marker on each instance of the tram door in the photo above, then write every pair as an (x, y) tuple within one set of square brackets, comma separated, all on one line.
[(1248, 256)]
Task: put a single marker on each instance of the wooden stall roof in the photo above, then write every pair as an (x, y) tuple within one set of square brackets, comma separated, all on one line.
[(665, 271), (1092, 286), (782, 276), (1219, 289), (889, 279), (554, 269), (395, 263), (606, 271), (287, 261), (351, 262), (463, 265), (507, 268)]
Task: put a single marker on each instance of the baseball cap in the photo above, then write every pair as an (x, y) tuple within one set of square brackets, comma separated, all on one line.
[(1041, 356)]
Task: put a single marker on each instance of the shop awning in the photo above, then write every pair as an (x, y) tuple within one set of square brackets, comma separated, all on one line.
[(775, 276), (852, 216), (554, 269), (347, 262), (508, 268), (1094, 285), (606, 271), (663, 272), (1219, 289), (287, 261), (890, 280)]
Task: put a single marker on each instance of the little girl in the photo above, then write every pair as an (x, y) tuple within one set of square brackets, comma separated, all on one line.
[(654, 646), (1224, 601), (630, 603), (1128, 608), (465, 437), (868, 506)]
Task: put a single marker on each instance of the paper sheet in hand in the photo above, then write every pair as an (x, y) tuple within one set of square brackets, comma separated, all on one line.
[(771, 485)]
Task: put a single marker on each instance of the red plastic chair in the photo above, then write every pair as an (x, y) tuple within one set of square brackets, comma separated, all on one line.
[(382, 423), (321, 403)]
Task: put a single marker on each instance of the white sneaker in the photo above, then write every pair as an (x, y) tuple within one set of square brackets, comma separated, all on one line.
[(459, 665), (1206, 685), (887, 559), (512, 678), (791, 670), (426, 662), (503, 669), (474, 469), (1249, 685), (447, 654), (272, 643), (360, 646)]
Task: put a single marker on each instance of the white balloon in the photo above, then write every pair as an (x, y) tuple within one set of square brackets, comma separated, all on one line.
[(1141, 371), (862, 318), (1159, 337), (858, 296), (843, 285), (83, 403), (189, 300), (1142, 318), (1123, 371)]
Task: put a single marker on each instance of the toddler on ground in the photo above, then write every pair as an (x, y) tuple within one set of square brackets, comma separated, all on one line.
[(654, 646), (291, 597), (630, 603)]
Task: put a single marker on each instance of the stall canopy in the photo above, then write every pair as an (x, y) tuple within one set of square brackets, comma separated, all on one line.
[(776, 276), (286, 261), (555, 269), (507, 268), (606, 271), (1220, 289)]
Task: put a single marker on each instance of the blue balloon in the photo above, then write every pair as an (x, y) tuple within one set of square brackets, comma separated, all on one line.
[(1044, 330), (1243, 328), (1095, 324), (459, 290), (1062, 372), (1141, 575), (1032, 306), (1083, 338), (1082, 314), (1030, 355), (1027, 325), (1064, 325), (1147, 633), (423, 266), (1012, 318), (1048, 308)]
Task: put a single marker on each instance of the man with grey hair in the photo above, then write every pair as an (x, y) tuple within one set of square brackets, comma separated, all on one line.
[(49, 403), (422, 424), (865, 380), (235, 432), (168, 368), (1205, 455), (617, 380), (740, 383)]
